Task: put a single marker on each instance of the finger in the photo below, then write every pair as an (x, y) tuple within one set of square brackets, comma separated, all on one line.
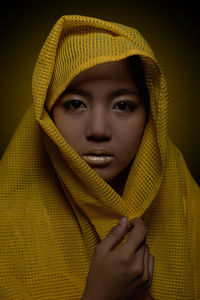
[(138, 263), (141, 283), (136, 237), (116, 234), (151, 267), (140, 271), (134, 221), (146, 274)]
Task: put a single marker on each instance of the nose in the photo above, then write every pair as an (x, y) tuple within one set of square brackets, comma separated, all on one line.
[(98, 126)]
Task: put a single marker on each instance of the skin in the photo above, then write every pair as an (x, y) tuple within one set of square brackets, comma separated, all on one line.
[(121, 273), (102, 120)]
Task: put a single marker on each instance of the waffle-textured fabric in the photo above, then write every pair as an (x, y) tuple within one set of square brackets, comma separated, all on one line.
[(55, 209)]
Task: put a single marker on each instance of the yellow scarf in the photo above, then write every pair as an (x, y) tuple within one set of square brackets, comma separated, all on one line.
[(55, 208)]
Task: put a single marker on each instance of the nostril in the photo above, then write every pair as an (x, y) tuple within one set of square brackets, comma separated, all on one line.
[(102, 133)]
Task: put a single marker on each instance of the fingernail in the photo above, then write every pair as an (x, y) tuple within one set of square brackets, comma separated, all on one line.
[(122, 221)]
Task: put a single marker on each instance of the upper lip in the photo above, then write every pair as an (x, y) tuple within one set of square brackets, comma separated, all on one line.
[(99, 152)]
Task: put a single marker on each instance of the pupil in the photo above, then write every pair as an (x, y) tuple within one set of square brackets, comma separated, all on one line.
[(122, 105), (76, 104)]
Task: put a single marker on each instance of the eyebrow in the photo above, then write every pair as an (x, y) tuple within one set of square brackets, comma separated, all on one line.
[(116, 93)]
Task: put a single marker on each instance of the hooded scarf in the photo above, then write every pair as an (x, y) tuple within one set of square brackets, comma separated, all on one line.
[(55, 208)]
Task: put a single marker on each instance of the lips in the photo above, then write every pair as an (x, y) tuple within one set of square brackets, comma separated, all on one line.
[(98, 157)]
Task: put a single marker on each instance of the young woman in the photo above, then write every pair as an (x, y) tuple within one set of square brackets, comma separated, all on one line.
[(97, 203)]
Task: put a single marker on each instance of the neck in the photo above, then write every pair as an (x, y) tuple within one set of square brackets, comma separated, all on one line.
[(118, 183)]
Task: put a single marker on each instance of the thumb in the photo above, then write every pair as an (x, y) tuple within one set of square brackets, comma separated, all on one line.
[(115, 235)]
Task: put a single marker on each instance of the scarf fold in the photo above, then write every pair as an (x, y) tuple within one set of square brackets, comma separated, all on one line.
[(54, 206)]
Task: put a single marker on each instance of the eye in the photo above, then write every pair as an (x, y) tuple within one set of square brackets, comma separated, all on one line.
[(73, 104), (124, 105)]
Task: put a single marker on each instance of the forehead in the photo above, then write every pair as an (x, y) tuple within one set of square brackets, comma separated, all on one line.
[(116, 70)]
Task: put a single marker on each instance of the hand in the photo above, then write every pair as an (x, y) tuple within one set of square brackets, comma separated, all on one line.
[(124, 272)]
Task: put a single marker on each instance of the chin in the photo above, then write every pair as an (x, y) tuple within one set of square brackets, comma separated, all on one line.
[(106, 175)]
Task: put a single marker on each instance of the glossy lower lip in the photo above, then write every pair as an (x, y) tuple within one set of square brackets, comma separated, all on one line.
[(100, 160)]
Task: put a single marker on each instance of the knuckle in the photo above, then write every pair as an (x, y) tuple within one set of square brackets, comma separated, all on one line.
[(125, 259), (98, 249), (145, 279), (143, 229), (138, 270)]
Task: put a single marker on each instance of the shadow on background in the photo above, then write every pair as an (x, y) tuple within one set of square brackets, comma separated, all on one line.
[(172, 32)]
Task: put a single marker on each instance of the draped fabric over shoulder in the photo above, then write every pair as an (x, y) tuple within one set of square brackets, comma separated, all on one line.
[(55, 208)]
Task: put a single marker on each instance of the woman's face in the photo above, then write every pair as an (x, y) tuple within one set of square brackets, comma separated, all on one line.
[(101, 110)]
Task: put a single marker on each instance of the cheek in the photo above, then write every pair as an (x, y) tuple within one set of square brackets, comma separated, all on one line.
[(70, 129), (129, 135)]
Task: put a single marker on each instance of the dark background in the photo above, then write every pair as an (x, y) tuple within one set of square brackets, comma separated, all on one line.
[(171, 30)]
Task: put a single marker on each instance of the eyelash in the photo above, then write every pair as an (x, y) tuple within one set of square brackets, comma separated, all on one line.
[(131, 105), (68, 103)]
